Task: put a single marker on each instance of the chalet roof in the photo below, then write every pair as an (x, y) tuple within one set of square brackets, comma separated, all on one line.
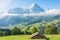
[(38, 35), (34, 34)]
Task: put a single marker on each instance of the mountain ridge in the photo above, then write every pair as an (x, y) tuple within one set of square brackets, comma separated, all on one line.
[(34, 8)]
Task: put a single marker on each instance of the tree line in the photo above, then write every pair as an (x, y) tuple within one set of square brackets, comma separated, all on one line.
[(49, 29)]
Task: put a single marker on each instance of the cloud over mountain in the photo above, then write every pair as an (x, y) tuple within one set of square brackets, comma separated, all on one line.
[(33, 10), (53, 11), (47, 12)]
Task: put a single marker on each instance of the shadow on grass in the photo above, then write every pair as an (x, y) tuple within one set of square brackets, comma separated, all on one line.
[(47, 38), (41, 39)]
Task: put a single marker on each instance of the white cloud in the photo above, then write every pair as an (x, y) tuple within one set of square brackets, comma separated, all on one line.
[(47, 12), (53, 11), (6, 14)]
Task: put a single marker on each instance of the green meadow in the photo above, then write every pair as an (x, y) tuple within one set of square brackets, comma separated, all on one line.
[(27, 37)]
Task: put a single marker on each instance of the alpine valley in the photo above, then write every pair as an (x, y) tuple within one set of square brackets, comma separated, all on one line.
[(33, 15)]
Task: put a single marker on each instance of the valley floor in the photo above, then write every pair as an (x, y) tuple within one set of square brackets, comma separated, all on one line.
[(27, 37)]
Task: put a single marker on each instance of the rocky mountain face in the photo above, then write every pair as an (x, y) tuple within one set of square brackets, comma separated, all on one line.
[(34, 8)]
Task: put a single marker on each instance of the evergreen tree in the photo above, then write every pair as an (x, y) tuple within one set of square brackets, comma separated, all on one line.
[(15, 31)]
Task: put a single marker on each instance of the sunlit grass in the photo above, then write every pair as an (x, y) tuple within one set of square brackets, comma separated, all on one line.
[(27, 37)]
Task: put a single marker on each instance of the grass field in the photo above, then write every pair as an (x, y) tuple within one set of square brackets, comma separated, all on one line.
[(27, 37)]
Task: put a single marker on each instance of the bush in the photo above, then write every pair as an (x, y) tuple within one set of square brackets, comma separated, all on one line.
[(26, 30), (33, 29), (49, 29)]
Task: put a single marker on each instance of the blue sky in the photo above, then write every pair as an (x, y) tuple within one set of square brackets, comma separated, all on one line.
[(46, 4)]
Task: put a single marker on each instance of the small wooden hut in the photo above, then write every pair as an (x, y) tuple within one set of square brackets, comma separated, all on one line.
[(37, 35)]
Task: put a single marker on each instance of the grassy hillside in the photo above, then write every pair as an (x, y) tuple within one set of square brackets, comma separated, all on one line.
[(54, 37), (27, 37)]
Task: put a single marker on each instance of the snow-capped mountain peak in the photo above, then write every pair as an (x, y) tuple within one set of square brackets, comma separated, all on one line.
[(32, 5), (35, 8)]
